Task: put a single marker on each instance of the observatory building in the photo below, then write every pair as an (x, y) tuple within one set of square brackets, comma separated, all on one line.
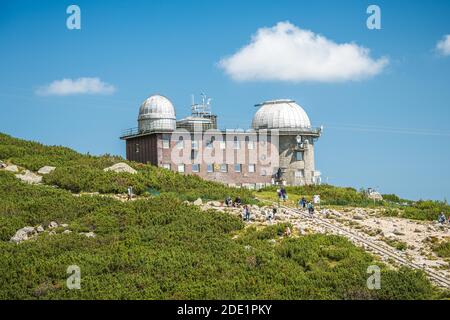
[(278, 149)]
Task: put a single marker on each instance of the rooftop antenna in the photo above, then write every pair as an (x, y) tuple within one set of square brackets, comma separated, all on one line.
[(201, 109)]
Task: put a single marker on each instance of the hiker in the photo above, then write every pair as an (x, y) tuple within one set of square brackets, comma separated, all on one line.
[(237, 201), (303, 202), (269, 216), (130, 193), (283, 194), (246, 213), (274, 211), (228, 201), (442, 219), (310, 208)]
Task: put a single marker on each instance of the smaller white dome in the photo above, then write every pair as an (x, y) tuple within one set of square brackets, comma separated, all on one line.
[(280, 114), (156, 113)]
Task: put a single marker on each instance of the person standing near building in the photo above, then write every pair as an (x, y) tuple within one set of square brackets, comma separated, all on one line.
[(130, 193)]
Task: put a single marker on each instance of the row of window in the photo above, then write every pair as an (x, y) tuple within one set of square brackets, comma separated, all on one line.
[(209, 144), (213, 168)]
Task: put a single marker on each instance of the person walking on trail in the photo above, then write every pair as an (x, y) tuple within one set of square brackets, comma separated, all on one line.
[(130, 193), (283, 194), (274, 211), (302, 202), (310, 208), (246, 213), (237, 201), (269, 216), (442, 219)]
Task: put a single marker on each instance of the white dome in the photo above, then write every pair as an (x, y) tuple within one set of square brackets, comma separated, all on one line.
[(156, 106), (156, 113), (280, 114)]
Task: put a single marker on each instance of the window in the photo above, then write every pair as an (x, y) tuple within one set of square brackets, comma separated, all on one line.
[(224, 167), (299, 155), (209, 168), (250, 144), (194, 145), (264, 172), (196, 167), (180, 143), (194, 155), (181, 168), (237, 168), (165, 141), (222, 145), (136, 148), (299, 173), (236, 144), (251, 168), (166, 166)]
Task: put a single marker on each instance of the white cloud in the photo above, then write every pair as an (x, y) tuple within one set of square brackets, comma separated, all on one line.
[(443, 46), (288, 53), (67, 87)]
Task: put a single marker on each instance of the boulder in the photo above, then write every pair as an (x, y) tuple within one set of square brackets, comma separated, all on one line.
[(39, 229), (12, 168), (29, 177), (121, 167), (358, 217), (198, 202), (398, 232), (23, 234), (67, 231), (215, 204), (52, 225), (46, 169), (2, 164)]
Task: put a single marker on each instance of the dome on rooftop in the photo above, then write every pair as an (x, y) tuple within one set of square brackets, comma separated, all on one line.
[(156, 113), (280, 114)]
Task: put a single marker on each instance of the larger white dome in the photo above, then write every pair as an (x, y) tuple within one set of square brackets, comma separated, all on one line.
[(156, 106), (157, 113), (280, 114)]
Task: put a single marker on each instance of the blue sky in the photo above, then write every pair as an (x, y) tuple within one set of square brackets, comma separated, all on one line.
[(388, 131)]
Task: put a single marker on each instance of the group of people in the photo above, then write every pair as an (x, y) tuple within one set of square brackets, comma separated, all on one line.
[(229, 202), (305, 204), (442, 219)]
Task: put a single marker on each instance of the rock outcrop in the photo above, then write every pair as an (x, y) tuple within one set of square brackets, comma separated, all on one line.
[(46, 170), (12, 168), (121, 167), (23, 234), (29, 177), (198, 202)]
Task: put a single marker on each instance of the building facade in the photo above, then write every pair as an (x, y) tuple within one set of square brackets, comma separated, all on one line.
[(278, 149)]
